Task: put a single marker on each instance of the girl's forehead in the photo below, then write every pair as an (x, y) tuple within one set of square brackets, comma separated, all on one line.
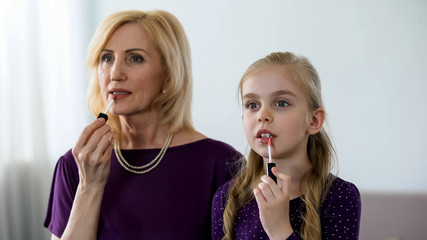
[(270, 78)]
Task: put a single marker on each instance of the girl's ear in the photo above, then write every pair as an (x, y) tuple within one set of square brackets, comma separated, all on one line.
[(317, 120)]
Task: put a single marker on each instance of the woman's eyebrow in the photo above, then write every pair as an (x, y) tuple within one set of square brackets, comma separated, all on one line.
[(107, 50), (126, 51), (135, 49)]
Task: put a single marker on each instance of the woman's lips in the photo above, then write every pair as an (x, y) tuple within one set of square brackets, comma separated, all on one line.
[(118, 93)]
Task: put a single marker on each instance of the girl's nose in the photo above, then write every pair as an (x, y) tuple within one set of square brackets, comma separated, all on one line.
[(264, 115)]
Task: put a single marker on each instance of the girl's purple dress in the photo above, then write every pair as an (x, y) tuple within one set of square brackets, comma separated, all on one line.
[(339, 214)]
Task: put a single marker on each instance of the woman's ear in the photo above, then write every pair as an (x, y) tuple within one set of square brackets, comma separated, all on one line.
[(316, 122)]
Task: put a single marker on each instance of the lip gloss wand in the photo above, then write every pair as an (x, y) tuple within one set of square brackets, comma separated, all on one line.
[(270, 164), (104, 115)]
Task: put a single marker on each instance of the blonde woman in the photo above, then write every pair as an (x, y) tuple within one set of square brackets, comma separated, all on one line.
[(146, 173), (282, 103)]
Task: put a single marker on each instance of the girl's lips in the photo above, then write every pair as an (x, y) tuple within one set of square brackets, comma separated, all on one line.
[(265, 140), (263, 135)]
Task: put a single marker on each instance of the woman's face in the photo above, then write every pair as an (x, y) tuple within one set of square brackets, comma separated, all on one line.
[(275, 106), (130, 71)]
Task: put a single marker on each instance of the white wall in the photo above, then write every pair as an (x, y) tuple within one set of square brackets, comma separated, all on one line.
[(370, 56)]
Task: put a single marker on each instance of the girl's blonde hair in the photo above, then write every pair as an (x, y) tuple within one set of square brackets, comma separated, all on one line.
[(319, 149), (171, 42)]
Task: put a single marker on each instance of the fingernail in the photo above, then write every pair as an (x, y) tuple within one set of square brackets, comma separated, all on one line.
[(111, 137)]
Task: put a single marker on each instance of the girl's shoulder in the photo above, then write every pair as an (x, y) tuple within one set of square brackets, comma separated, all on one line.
[(224, 189), (341, 193), (342, 187), (221, 194)]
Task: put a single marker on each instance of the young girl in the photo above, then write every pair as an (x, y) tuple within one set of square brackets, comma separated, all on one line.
[(282, 100)]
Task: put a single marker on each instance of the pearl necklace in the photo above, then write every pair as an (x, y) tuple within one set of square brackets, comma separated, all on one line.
[(147, 167)]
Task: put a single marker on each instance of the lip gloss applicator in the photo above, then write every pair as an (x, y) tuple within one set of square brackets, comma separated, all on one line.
[(104, 115), (270, 164)]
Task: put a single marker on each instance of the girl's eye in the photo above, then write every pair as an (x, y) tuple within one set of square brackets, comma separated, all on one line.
[(106, 58), (251, 105), (136, 58), (281, 103)]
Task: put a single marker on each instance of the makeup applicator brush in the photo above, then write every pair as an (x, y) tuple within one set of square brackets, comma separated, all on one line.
[(104, 115), (270, 164)]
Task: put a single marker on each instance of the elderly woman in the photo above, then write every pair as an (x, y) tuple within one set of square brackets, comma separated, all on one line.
[(146, 173)]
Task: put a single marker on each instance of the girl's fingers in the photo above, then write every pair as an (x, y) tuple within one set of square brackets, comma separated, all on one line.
[(284, 179), (274, 188), (266, 190), (259, 198)]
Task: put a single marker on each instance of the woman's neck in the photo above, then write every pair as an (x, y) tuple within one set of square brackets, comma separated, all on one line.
[(142, 131)]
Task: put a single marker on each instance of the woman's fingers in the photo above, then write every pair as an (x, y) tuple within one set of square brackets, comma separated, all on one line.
[(88, 131), (104, 147), (95, 140)]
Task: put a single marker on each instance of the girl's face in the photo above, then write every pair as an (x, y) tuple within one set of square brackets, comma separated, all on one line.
[(275, 106), (130, 70)]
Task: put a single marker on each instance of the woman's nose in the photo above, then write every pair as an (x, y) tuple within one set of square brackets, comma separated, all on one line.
[(117, 71)]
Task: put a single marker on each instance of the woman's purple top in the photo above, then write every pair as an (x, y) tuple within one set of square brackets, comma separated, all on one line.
[(339, 214), (172, 201)]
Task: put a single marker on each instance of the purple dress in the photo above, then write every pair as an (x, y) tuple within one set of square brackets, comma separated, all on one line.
[(173, 201), (339, 214)]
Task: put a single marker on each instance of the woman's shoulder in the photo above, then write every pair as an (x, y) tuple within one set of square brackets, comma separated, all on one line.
[(189, 138), (198, 143), (67, 160)]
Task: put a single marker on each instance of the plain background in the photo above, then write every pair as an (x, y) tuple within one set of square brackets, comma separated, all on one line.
[(370, 56)]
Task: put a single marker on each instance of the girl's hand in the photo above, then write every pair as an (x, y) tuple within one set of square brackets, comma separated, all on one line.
[(273, 204), (92, 153)]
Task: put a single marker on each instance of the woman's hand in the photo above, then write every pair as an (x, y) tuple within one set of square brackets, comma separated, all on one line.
[(93, 154), (273, 204)]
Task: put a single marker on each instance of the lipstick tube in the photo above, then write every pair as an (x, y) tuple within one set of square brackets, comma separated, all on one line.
[(270, 173)]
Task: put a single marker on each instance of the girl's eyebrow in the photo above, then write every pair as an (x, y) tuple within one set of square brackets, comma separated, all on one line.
[(250, 95), (275, 93), (284, 92)]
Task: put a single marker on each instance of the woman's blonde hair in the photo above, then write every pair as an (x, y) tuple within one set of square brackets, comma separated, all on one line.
[(171, 42), (319, 149)]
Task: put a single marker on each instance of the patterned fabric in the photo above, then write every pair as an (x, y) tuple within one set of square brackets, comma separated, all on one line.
[(340, 214)]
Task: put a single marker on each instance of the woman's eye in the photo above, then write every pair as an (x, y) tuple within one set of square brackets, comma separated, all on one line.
[(281, 103), (106, 58), (136, 58), (251, 105)]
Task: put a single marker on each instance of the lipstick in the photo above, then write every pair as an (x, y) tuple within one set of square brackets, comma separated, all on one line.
[(104, 115), (270, 164)]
